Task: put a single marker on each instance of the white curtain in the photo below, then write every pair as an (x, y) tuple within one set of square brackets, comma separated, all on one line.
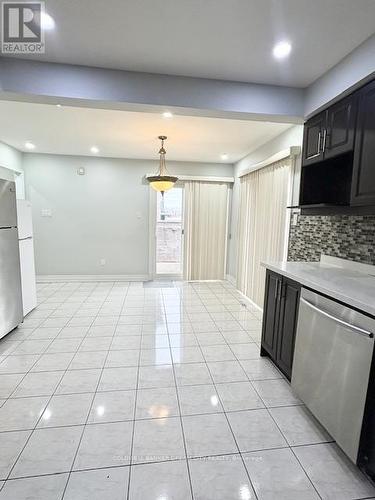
[(205, 230), (262, 229)]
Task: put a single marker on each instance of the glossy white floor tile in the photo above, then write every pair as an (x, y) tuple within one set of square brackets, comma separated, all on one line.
[(157, 403), (167, 480), (298, 425), (158, 440), (208, 435), (132, 392), (199, 399), (35, 488), (21, 414), (66, 410), (98, 484), (332, 474), (226, 476), (11, 445), (8, 384), (239, 396), (112, 406), (104, 445), (48, 451), (255, 430), (276, 474)]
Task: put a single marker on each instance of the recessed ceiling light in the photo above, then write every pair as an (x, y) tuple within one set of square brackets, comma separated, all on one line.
[(224, 156), (282, 49), (29, 145), (47, 22), (167, 114), (94, 150), (58, 106)]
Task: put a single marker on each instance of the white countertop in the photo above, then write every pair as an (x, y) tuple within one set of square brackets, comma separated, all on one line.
[(356, 289)]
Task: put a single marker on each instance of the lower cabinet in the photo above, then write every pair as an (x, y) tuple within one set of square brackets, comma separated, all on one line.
[(280, 316)]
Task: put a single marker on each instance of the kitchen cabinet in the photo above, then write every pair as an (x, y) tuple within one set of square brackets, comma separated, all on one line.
[(363, 184), (280, 320), (331, 132), (290, 293), (271, 313), (312, 151), (338, 135), (338, 170)]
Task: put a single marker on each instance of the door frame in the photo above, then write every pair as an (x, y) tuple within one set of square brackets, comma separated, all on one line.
[(153, 275)]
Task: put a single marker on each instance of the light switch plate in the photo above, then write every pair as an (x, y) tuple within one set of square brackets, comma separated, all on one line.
[(46, 212)]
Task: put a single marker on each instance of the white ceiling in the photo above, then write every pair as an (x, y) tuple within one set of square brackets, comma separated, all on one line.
[(224, 39), (128, 134)]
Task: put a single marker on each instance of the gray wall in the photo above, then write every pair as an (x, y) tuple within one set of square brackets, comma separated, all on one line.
[(351, 70), (291, 137), (103, 214)]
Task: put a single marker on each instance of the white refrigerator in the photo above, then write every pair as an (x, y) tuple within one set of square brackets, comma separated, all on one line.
[(26, 246)]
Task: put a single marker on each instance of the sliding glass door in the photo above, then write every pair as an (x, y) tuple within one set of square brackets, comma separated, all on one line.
[(169, 233)]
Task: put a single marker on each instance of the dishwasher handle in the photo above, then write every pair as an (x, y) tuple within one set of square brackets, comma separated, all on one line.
[(354, 328)]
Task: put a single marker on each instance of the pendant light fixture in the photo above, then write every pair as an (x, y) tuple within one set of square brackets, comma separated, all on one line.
[(162, 181)]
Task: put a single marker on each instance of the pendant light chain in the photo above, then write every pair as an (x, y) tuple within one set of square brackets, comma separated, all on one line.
[(162, 181)]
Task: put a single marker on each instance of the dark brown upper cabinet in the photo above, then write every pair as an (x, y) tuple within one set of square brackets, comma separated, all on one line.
[(338, 157), (330, 133), (338, 136), (363, 184), (312, 139)]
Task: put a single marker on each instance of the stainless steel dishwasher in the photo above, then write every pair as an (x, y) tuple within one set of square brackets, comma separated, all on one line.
[(331, 366)]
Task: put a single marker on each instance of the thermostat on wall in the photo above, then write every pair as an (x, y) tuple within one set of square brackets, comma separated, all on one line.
[(81, 171)]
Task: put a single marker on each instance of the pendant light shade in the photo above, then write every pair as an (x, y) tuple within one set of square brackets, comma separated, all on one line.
[(162, 181)]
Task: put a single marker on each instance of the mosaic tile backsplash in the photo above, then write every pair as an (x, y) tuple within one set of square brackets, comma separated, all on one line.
[(348, 237)]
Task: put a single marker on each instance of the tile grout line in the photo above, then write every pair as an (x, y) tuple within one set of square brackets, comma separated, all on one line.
[(135, 413), (233, 435), (225, 414), (93, 398), (64, 371), (32, 430), (292, 451), (41, 415), (179, 408)]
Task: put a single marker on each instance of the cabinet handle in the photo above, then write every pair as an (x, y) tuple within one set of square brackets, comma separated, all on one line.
[(318, 153), (277, 289), (324, 139)]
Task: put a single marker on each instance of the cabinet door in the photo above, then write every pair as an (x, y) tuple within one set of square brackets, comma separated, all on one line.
[(271, 313), (338, 138), (312, 151), (288, 324), (363, 184)]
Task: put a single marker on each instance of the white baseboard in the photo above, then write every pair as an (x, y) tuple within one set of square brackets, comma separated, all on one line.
[(244, 298), (250, 302), (231, 279), (44, 278)]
